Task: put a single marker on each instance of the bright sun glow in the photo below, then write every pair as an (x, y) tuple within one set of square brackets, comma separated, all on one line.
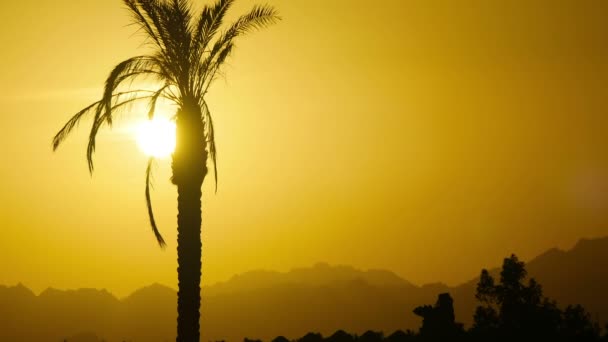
[(156, 138)]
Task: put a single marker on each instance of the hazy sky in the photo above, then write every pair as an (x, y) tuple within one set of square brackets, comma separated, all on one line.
[(431, 138)]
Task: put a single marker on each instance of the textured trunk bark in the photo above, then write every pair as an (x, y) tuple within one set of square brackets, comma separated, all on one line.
[(189, 249), (189, 170)]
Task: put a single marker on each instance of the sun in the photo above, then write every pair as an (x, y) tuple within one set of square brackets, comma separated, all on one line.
[(156, 137)]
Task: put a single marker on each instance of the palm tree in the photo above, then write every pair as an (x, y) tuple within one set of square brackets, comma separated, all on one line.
[(187, 52)]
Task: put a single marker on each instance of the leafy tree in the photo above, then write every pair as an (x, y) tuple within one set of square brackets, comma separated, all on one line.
[(577, 324), (513, 309), (438, 321), (187, 52)]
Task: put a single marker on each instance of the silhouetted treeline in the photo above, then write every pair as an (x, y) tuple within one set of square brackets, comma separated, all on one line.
[(512, 308)]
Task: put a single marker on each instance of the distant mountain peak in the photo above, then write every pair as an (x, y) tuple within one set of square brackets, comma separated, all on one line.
[(321, 274), (588, 242), (19, 290), (551, 253), (154, 290)]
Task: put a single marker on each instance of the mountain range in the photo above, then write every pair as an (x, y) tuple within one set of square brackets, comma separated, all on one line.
[(266, 304)]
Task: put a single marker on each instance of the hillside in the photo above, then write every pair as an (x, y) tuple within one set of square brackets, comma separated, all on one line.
[(264, 304)]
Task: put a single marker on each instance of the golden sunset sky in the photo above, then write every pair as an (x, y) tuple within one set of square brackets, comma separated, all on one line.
[(430, 138)]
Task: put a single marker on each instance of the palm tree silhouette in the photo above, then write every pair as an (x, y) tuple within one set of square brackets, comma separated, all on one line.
[(188, 51)]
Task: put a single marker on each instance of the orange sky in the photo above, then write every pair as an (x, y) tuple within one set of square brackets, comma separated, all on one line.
[(431, 138)]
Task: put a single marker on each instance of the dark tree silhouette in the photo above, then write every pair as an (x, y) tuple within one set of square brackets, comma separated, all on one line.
[(514, 310), (577, 324), (438, 322), (341, 336), (188, 51), (401, 336), (311, 337), (371, 336), (280, 339)]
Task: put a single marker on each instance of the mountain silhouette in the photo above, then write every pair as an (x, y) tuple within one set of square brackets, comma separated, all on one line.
[(266, 304), (321, 274)]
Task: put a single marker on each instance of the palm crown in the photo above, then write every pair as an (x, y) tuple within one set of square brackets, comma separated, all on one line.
[(187, 54)]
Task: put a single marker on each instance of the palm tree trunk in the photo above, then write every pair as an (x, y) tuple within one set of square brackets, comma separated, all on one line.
[(189, 170), (189, 247)]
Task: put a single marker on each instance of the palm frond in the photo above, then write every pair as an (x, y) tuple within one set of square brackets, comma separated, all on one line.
[(216, 64), (154, 99), (99, 120), (175, 19), (128, 68), (145, 23), (259, 17), (159, 237), (156, 13), (75, 119), (210, 138), (209, 22), (182, 17), (69, 126)]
